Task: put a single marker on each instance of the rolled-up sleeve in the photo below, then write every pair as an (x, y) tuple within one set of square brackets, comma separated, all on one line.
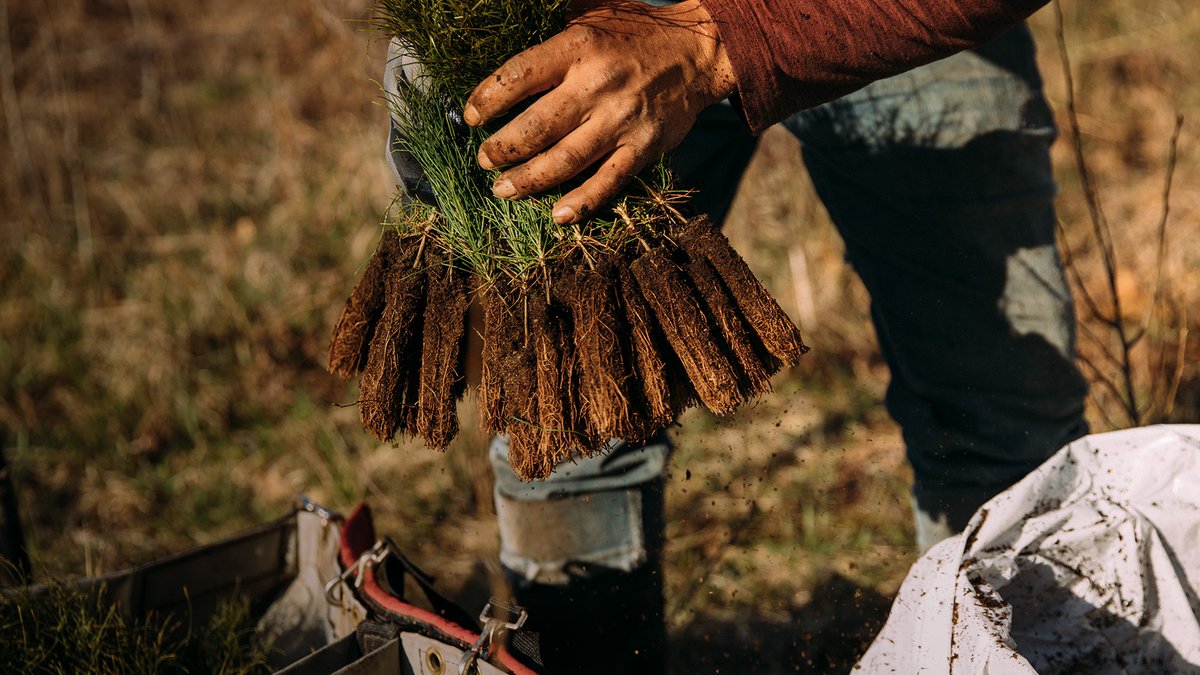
[(789, 55)]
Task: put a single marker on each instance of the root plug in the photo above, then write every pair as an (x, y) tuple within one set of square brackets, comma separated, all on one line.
[(442, 378), (754, 374), (778, 335), (351, 340), (604, 372), (683, 322), (390, 380)]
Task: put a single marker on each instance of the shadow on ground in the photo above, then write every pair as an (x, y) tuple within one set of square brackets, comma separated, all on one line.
[(826, 635)]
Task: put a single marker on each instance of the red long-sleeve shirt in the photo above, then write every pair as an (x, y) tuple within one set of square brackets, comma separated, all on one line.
[(789, 55)]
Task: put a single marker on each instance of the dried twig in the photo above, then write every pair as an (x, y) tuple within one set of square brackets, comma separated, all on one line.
[(1122, 384)]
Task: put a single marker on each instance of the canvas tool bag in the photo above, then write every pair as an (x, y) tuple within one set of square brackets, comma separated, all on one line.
[(328, 597), (401, 637)]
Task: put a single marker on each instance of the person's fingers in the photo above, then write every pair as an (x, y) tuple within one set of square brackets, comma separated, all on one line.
[(607, 182), (563, 161), (532, 71), (539, 127)]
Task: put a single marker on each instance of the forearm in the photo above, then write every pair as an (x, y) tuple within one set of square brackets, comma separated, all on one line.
[(788, 55)]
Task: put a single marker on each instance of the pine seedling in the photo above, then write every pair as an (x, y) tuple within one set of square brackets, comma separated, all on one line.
[(594, 331)]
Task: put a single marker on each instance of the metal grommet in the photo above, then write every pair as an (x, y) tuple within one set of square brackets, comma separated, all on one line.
[(434, 663)]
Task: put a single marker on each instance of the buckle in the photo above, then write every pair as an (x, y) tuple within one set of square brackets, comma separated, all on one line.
[(496, 617)]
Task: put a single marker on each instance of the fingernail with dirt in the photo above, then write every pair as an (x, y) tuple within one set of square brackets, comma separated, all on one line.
[(563, 215), (471, 115), (484, 161), (504, 189)]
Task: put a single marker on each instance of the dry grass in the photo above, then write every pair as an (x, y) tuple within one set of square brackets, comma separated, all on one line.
[(189, 188)]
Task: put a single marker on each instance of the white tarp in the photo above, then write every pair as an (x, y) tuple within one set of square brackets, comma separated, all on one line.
[(1091, 564)]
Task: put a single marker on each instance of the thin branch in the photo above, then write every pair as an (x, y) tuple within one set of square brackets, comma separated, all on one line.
[(1101, 344), (1073, 269), (1180, 363), (1099, 378), (1168, 179), (1161, 259), (1099, 222)]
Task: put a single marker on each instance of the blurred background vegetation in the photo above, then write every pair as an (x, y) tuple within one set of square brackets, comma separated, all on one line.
[(188, 190)]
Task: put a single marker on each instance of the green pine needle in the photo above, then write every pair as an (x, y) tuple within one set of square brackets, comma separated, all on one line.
[(459, 43)]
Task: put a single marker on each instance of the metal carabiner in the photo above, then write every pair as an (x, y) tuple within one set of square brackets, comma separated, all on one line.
[(493, 625), (369, 558)]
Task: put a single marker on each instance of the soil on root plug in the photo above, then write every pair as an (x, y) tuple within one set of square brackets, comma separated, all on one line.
[(442, 379), (664, 387), (612, 349), (350, 343), (603, 364), (554, 356), (778, 335), (682, 318), (745, 354), (390, 382), (495, 345), (518, 380)]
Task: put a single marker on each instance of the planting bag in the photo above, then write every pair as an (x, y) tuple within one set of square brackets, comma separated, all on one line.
[(1089, 564)]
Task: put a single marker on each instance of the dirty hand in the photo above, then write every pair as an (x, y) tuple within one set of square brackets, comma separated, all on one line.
[(623, 84)]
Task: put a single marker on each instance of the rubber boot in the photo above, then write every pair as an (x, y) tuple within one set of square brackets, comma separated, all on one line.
[(603, 620)]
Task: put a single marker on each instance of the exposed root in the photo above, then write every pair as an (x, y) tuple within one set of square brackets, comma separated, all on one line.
[(390, 380), (778, 335), (495, 344), (754, 374), (603, 369), (442, 380), (683, 322), (350, 342), (519, 382), (650, 355), (595, 347)]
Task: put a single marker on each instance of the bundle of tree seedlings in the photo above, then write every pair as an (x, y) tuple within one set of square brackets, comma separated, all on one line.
[(606, 329)]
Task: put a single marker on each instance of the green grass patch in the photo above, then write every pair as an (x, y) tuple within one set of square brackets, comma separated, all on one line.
[(64, 630)]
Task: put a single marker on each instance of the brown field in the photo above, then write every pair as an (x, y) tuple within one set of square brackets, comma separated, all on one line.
[(188, 190)]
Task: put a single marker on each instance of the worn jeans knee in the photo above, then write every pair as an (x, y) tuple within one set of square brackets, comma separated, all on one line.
[(588, 515)]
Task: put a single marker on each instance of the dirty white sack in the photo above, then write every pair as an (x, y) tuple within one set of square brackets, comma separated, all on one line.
[(1090, 564)]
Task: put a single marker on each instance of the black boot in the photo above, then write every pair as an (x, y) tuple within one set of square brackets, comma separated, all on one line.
[(604, 620)]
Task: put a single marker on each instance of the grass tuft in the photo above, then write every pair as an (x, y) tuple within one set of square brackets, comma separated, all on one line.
[(65, 630)]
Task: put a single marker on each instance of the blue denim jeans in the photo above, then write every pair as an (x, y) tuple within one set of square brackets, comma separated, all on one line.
[(939, 181)]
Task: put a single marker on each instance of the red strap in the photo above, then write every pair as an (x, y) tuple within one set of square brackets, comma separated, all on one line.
[(358, 536)]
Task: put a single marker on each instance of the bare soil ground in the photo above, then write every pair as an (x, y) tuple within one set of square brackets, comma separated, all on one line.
[(189, 188)]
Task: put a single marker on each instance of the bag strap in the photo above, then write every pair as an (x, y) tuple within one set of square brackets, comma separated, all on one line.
[(365, 560)]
